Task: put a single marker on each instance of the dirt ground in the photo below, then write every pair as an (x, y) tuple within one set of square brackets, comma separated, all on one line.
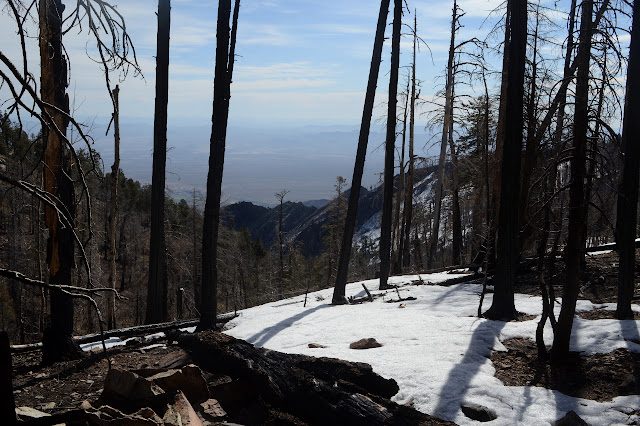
[(66, 385)]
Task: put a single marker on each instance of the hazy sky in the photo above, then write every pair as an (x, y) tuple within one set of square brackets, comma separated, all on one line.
[(297, 93)]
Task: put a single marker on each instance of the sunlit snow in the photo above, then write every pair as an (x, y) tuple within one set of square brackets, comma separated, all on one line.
[(437, 349)]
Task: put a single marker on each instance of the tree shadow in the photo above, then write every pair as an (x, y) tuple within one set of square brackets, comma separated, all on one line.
[(263, 336), (455, 388), (629, 329), (453, 289)]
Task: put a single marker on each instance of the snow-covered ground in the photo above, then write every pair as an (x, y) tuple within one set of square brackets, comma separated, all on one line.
[(437, 349)]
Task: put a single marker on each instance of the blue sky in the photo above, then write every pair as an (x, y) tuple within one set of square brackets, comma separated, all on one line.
[(297, 92)]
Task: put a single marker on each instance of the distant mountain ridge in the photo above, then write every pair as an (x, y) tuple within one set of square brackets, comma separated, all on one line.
[(303, 222), (316, 203)]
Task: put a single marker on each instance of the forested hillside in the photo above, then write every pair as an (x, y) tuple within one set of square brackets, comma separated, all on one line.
[(532, 159)]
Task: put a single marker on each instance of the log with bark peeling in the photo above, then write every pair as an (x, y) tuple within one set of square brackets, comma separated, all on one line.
[(315, 390)]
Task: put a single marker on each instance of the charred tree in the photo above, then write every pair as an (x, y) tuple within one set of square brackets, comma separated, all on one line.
[(157, 287), (531, 149), (407, 217), (57, 341), (456, 219), (387, 197), (503, 306), (448, 107), (628, 190), (225, 56), (577, 203), (113, 212), (280, 197), (397, 232), (358, 169)]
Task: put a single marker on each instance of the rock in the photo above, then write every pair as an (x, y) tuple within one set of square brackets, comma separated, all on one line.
[(48, 406), (316, 346), (148, 372), (189, 380), (212, 408), (571, 419), (365, 344), (175, 359), (134, 341), (180, 413), (85, 405), (478, 412), (29, 413), (124, 387), (106, 415)]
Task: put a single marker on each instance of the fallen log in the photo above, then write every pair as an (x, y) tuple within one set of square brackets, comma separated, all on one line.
[(314, 390), (128, 332), (451, 281)]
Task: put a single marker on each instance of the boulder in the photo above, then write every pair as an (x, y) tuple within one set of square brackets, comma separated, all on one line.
[(213, 410), (189, 380), (365, 344), (571, 419), (124, 387), (180, 413)]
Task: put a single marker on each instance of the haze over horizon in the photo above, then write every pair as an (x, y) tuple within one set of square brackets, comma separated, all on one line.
[(296, 99)]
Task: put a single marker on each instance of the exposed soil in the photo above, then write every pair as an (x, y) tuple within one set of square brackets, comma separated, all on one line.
[(597, 377), (66, 385), (69, 383)]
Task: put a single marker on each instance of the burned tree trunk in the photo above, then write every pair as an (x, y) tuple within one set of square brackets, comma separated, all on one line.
[(358, 169), (225, 49), (503, 306), (387, 197), (398, 232), (577, 206), (157, 287), (407, 217), (57, 340), (628, 192), (448, 107), (456, 219), (113, 212)]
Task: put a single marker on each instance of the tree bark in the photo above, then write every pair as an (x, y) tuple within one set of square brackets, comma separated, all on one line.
[(503, 306), (496, 178), (7, 402), (157, 288), (280, 196), (448, 107), (628, 190), (577, 206), (57, 340), (387, 197), (398, 232), (531, 149), (408, 198), (113, 213), (225, 48), (358, 169), (456, 244)]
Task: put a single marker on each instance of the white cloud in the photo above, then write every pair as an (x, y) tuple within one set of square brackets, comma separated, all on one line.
[(264, 34)]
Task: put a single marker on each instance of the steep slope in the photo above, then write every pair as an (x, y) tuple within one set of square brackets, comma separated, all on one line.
[(303, 223)]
